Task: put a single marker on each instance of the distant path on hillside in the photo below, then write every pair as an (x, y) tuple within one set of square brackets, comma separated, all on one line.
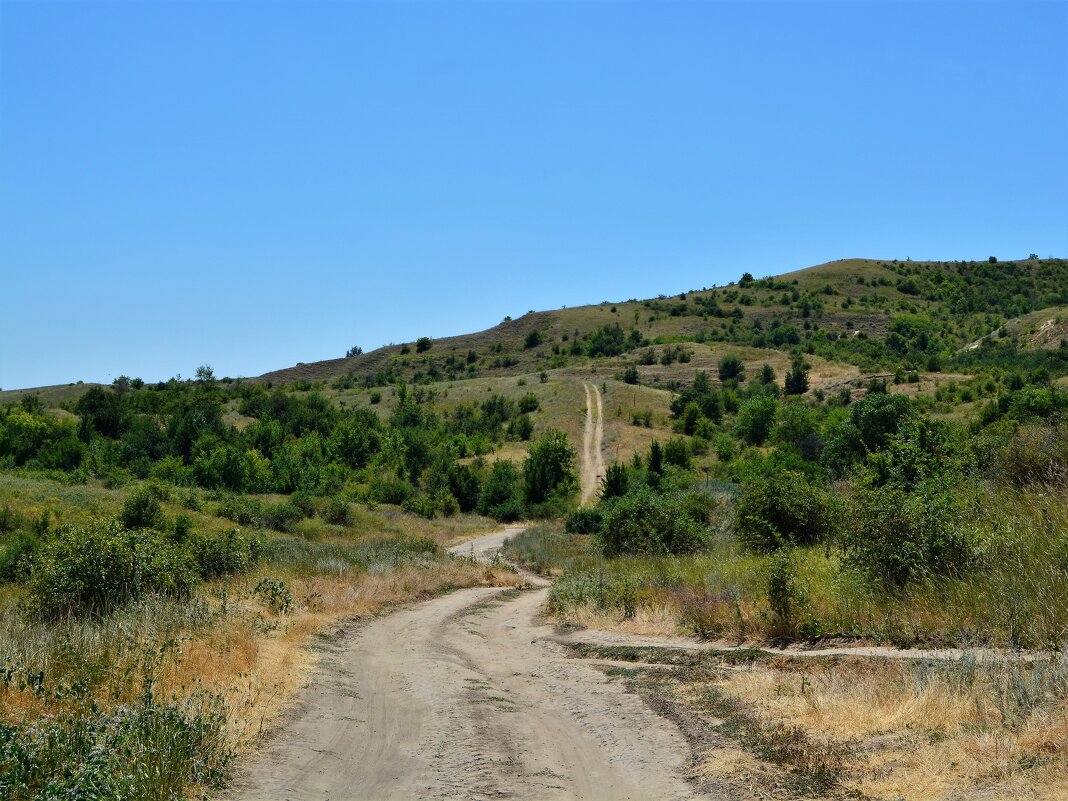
[(466, 697), (592, 470)]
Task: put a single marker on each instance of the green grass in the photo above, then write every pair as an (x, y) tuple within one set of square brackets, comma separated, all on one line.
[(1016, 597)]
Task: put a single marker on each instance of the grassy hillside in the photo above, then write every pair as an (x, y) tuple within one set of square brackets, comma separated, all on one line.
[(842, 310)]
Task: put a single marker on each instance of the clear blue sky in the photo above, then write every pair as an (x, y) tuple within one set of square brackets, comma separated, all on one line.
[(250, 185)]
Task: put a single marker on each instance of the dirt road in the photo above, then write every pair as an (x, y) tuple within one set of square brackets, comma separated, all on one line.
[(466, 697), (592, 470)]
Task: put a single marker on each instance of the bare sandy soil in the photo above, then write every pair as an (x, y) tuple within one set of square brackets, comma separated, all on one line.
[(466, 696)]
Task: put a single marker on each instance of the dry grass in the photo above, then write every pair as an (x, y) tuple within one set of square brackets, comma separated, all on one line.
[(238, 648), (226, 639), (913, 731)]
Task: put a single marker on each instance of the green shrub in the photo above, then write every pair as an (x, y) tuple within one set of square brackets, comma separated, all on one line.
[(390, 489), (507, 511), (520, 428), (10, 520), (88, 570), (584, 521), (645, 522), (142, 508), (786, 597), (894, 536), (780, 509), (224, 555), (16, 551), (282, 516), (422, 505), (529, 403), (241, 510), (337, 512), (181, 528)]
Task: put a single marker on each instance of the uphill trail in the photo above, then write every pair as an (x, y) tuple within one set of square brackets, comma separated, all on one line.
[(466, 696), (592, 469)]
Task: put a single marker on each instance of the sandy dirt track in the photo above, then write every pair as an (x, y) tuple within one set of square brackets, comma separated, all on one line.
[(592, 466), (466, 696)]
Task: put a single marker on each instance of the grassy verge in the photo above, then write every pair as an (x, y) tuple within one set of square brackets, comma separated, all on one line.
[(1017, 596), (767, 726)]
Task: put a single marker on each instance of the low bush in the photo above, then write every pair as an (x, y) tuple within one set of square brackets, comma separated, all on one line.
[(781, 509), (337, 512), (894, 536), (89, 570), (584, 521), (645, 522), (241, 510), (390, 489), (223, 555), (142, 508), (16, 551), (282, 516)]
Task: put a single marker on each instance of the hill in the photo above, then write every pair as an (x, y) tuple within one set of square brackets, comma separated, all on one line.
[(868, 313)]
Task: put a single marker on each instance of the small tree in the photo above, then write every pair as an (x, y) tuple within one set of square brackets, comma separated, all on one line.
[(796, 382), (731, 367), (549, 467), (423, 344), (355, 350), (533, 339), (499, 497), (755, 419), (656, 464), (615, 481)]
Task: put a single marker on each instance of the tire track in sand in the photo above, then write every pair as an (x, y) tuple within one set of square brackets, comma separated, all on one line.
[(466, 697), (592, 470)]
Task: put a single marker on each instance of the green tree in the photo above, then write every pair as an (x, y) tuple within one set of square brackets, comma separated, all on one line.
[(756, 418), (102, 412), (796, 381), (499, 497), (615, 481), (731, 367), (549, 468)]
